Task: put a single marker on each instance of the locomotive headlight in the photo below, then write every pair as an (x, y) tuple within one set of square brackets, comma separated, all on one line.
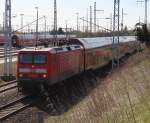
[(20, 75), (44, 75), (40, 71)]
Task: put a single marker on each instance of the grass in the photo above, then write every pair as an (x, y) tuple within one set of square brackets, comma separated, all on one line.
[(122, 97), (2, 70)]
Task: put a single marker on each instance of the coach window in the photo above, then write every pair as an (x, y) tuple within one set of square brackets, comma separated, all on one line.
[(40, 59), (26, 59)]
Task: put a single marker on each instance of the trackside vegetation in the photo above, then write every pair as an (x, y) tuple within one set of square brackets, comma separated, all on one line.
[(143, 33)]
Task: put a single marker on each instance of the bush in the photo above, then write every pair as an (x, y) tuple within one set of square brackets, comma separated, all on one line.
[(143, 35)]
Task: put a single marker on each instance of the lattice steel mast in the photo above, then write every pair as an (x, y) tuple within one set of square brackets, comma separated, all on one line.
[(91, 19), (55, 22), (9, 37), (87, 17), (94, 16), (8, 44), (122, 20), (77, 21), (146, 9), (116, 28), (37, 26)]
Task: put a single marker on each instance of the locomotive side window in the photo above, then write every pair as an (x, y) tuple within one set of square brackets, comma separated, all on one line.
[(40, 59), (25, 59)]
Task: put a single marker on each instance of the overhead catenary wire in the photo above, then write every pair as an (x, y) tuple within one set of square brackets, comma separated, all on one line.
[(28, 24), (96, 25)]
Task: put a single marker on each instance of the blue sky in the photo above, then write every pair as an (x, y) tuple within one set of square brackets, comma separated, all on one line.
[(68, 8)]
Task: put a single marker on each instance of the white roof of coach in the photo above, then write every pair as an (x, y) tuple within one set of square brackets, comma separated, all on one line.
[(90, 43)]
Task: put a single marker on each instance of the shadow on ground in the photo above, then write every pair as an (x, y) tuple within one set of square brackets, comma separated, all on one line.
[(63, 96)]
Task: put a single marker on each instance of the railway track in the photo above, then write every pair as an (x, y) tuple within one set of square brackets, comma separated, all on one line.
[(14, 106), (8, 86), (14, 55), (14, 52)]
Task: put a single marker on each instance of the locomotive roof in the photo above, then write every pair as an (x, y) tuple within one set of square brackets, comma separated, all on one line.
[(90, 43), (52, 49), (36, 49)]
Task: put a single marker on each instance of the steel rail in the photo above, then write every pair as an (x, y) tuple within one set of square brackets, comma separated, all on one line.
[(7, 87), (13, 102), (8, 83), (15, 106), (12, 110), (2, 56)]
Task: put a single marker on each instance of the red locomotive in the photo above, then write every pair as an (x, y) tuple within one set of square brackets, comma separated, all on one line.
[(48, 66)]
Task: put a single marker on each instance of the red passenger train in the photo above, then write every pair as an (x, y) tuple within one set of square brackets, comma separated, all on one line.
[(48, 66)]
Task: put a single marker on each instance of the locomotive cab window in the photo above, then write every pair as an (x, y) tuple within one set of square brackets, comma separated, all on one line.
[(40, 59), (25, 59)]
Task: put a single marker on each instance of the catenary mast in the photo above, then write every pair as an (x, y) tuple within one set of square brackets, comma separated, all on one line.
[(116, 28), (55, 22)]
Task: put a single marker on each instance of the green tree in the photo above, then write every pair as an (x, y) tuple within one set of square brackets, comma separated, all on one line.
[(60, 31), (143, 35)]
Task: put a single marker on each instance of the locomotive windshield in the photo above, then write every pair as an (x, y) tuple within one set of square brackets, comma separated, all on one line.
[(32, 59), (39, 59), (26, 58)]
